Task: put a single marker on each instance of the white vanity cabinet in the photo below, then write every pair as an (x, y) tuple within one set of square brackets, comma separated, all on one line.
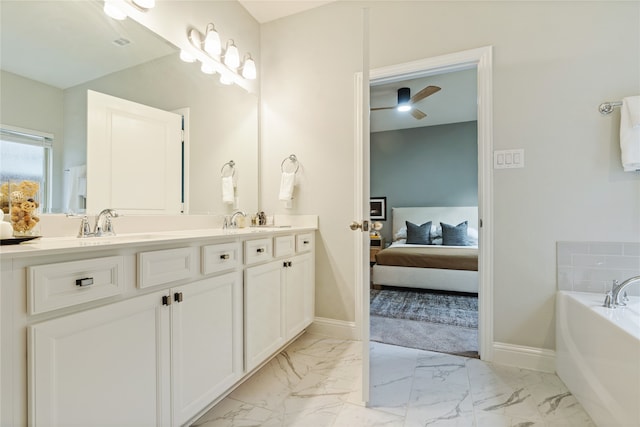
[(279, 300), (206, 342), (146, 335), (107, 365)]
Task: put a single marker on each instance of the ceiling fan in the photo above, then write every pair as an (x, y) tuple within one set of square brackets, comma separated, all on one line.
[(406, 101)]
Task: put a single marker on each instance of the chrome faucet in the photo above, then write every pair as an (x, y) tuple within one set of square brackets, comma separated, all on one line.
[(233, 222), (613, 298), (100, 229)]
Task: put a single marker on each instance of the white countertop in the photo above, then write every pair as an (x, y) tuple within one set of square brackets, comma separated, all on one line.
[(57, 245)]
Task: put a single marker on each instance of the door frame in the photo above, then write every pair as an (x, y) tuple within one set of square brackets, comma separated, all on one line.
[(482, 59)]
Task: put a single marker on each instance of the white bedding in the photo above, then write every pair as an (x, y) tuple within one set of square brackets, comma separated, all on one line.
[(430, 278)]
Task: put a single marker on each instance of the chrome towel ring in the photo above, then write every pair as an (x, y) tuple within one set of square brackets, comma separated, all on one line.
[(293, 160), (228, 167)]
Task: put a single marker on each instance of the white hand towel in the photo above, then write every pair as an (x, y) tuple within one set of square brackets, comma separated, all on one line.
[(630, 133), (228, 192), (286, 185)]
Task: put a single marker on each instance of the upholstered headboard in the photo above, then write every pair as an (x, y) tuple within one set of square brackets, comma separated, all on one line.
[(449, 215)]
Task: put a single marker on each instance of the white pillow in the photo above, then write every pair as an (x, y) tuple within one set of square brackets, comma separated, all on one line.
[(436, 234), (472, 236)]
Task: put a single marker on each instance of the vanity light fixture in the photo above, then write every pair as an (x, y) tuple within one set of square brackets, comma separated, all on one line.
[(225, 79), (186, 56), (207, 68), (231, 56), (113, 11), (404, 96), (145, 4), (249, 68), (212, 43)]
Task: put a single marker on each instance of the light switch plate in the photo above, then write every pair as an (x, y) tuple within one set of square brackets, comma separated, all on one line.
[(508, 159)]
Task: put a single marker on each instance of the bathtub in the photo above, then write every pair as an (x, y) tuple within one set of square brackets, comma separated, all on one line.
[(598, 356)]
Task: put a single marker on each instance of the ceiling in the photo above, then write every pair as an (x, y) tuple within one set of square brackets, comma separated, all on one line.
[(65, 43), (456, 101), (270, 10)]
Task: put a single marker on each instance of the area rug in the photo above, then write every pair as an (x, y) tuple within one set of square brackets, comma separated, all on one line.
[(434, 321)]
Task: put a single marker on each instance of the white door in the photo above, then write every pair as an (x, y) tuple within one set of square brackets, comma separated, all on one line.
[(134, 157), (107, 366), (206, 324), (263, 310), (298, 294)]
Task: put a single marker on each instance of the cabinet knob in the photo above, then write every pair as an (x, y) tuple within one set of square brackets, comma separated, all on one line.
[(166, 300), (84, 281), (224, 256), (177, 297)]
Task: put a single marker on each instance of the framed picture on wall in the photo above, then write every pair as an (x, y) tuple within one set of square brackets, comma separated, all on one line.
[(378, 208)]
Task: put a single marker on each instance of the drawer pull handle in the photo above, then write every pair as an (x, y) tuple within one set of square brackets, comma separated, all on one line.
[(306, 242), (177, 297), (224, 256), (166, 300), (84, 282), (260, 250)]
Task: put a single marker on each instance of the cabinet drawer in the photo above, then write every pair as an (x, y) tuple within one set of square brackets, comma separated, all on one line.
[(220, 257), (304, 242), (165, 266), (257, 250), (284, 245), (64, 284)]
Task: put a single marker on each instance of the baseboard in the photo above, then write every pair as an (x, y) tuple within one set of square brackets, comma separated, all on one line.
[(333, 328), (537, 359)]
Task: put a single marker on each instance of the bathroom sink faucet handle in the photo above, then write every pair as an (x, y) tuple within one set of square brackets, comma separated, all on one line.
[(608, 301), (85, 228)]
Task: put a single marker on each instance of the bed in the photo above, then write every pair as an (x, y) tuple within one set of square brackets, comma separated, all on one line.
[(430, 266)]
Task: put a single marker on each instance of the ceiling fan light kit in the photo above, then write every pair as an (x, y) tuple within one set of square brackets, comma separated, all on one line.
[(406, 101)]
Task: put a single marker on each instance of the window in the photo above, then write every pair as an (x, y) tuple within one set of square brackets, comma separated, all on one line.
[(26, 155)]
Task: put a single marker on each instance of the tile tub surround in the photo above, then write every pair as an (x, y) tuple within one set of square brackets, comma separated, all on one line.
[(315, 383), (591, 266)]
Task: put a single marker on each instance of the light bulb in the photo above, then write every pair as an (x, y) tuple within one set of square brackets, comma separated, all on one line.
[(231, 56), (225, 79), (249, 69), (404, 108), (146, 4), (114, 11), (207, 68), (212, 41), (186, 56)]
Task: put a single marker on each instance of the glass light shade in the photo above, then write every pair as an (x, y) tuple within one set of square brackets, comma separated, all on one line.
[(186, 56), (225, 79), (249, 69), (404, 99), (114, 11), (147, 4), (212, 43), (404, 108), (232, 56), (207, 69)]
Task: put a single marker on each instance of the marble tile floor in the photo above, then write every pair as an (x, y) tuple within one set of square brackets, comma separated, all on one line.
[(315, 382)]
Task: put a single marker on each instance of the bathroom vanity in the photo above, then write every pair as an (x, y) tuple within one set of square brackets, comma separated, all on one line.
[(149, 329)]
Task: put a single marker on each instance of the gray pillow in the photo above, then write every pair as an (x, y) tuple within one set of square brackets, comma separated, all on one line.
[(418, 234), (454, 235)]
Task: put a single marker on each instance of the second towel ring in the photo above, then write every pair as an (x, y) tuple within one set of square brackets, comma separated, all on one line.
[(293, 159), (231, 166)]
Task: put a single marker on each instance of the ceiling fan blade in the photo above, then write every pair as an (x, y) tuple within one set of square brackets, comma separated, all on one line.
[(427, 91), (418, 114), (382, 108)]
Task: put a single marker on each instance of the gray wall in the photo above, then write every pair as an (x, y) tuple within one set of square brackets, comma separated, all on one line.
[(427, 166)]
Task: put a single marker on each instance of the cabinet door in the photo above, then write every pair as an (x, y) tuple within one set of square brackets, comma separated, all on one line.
[(264, 328), (299, 294), (107, 366), (206, 319)]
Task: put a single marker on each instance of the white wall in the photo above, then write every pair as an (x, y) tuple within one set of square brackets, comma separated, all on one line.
[(554, 63), (33, 105)]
